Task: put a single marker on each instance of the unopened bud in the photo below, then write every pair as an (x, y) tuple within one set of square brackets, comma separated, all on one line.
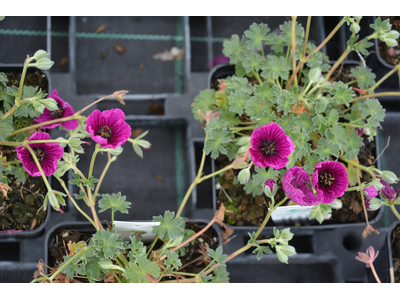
[(44, 63), (314, 74), (120, 96), (374, 204), (389, 177), (244, 176), (40, 54)]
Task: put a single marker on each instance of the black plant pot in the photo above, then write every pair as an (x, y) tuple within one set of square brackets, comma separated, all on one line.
[(86, 229), (45, 84), (153, 184)]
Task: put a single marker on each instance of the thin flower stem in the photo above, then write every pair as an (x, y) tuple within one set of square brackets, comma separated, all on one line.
[(73, 201), (216, 172), (352, 125), (122, 258), (294, 47), (89, 191), (396, 213), (12, 109), (374, 272), (302, 61), (337, 63), (396, 68), (49, 189), (375, 95), (362, 199), (358, 166), (79, 253), (115, 275), (21, 82), (192, 237), (268, 216), (303, 54), (152, 244), (257, 77), (73, 117), (110, 160)]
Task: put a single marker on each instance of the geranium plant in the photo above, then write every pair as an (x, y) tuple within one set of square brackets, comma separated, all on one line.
[(284, 118), (284, 125)]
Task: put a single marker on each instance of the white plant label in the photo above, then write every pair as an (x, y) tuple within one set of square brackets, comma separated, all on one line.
[(124, 227), (292, 213)]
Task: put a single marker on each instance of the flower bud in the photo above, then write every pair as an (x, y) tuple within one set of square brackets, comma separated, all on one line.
[(244, 176), (40, 54), (374, 204), (354, 27), (314, 74), (389, 177), (106, 264), (44, 63), (270, 188)]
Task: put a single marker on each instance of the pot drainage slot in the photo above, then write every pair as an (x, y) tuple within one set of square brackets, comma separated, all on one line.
[(9, 251), (152, 107), (352, 243), (302, 243)]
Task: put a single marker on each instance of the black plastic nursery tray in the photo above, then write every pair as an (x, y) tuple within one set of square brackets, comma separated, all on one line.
[(153, 184), (120, 57), (21, 36)]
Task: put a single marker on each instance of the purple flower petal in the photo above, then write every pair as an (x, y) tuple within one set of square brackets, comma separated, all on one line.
[(388, 192), (270, 146), (330, 180), (64, 110), (47, 154), (371, 192), (108, 128), (295, 184)]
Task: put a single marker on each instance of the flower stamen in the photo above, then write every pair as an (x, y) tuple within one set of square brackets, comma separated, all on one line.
[(269, 148), (326, 179), (104, 132)]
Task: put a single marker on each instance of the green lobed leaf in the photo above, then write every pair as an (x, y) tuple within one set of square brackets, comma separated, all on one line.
[(107, 244), (221, 275), (253, 62), (365, 77), (204, 101), (6, 128), (253, 188), (115, 202), (257, 33), (139, 271), (275, 67), (234, 48), (263, 175), (218, 256), (169, 227)]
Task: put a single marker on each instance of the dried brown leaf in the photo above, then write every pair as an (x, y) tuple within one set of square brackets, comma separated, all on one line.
[(356, 207), (104, 54), (34, 222), (119, 48), (100, 28), (137, 132), (4, 188), (368, 231), (109, 278), (120, 96), (164, 56), (40, 269), (225, 234), (64, 60)]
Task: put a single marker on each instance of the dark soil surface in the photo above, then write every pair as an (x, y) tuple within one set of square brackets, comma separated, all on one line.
[(22, 209), (395, 244), (194, 260), (246, 210)]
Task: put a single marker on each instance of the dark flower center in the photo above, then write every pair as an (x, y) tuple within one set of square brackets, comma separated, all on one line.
[(104, 132), (39, 154), (56, 114), (269, 148), (326, 178)]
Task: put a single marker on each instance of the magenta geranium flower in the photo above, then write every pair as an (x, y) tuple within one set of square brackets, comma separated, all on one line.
[(46, 153), (388, 192), (108, 128), (270, 146), (330, 180), (295, 184), (370, 192), (64, 110)]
